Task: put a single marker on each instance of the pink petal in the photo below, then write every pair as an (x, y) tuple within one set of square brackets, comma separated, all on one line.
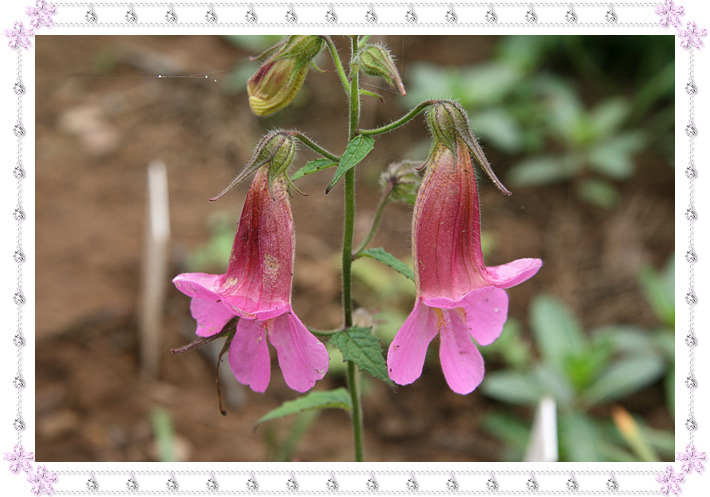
[(485, 318), (198, 285), (513, 273), (460, 359), (446, 227), (258, 280), (405, 358), (249, 355), (472, 296), (302, 357), (210, 316)]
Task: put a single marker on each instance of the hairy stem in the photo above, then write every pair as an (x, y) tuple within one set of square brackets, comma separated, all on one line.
[(314, 146), (399, 122), (353, 387), (338, 64), (384, 200)]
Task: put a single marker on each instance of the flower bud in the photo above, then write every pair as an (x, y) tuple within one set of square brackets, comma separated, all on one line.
[(275, 152), (280, 77), (448, 123), (403, 180), (376, 60)]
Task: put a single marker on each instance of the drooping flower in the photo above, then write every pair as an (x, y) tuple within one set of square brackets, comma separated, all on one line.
[(42, 481), (458, 297), (19, 36), (692, 36), (670, 481), (257, 286), (19, 459), (669, 13), (692, 459), (41, 14), (280, 77)]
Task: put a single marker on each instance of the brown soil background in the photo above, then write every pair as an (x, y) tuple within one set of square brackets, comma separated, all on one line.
[(97, 131)]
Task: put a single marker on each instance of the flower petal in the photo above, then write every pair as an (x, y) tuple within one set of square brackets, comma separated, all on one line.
[(485, 318), (405, 358), (460, 359), (472, 296), (302, 357), (198, 285), (257, 283), (249, 355), (210, 316), (513, 273)]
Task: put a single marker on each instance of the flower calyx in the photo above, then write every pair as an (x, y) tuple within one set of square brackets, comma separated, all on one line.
[(448, 123), (276, 152)]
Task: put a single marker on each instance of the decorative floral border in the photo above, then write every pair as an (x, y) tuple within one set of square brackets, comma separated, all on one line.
[(44, 14)]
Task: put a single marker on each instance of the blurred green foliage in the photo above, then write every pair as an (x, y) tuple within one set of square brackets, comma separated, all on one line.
[(585, 373), (576, 109)]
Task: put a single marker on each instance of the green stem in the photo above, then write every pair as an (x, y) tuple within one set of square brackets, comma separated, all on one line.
[(399, 122), (338, 63), (375, 222), (314, 146), (348, 229)]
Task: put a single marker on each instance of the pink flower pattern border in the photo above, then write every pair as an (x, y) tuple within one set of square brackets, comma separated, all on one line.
[(42, 479)]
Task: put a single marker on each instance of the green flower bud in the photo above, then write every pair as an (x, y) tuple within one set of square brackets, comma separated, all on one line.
[(280, 77), (376, 60), (403, 180)]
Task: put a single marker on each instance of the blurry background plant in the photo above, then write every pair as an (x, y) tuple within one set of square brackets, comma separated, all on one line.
[(600, 283), (523, 105), (586, 372)]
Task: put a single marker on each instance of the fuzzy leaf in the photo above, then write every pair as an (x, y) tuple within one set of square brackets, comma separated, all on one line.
[(381, 255), (363, 348), (624, 378), (312, 167), (356, 151), (330, 399)]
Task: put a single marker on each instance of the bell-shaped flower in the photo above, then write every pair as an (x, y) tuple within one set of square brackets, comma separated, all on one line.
[(458, 297), (257, 288), (281, 74)]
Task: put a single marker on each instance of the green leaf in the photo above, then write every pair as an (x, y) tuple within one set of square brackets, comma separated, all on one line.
[(613, 157), (356, 151), (558, 334), (512, 387), (542, 171), (512, 431), (330, 399), (608, 116), (363, 348), (660, 293), (554, 383), (312, 167), (623, 378), (579, 438), (499, 128), (379, 254), (598, 192)]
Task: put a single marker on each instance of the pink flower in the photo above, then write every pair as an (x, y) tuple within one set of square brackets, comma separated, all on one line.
[(670, 481), (41, 14), (458, 296), (692, 36), (19, 36), (669, 13), (20, 460), (692, 459), (42, 481), (257, 289)]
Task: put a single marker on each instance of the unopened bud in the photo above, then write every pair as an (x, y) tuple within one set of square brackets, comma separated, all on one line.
[(376, 60), (280, 77), (403, 180)]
